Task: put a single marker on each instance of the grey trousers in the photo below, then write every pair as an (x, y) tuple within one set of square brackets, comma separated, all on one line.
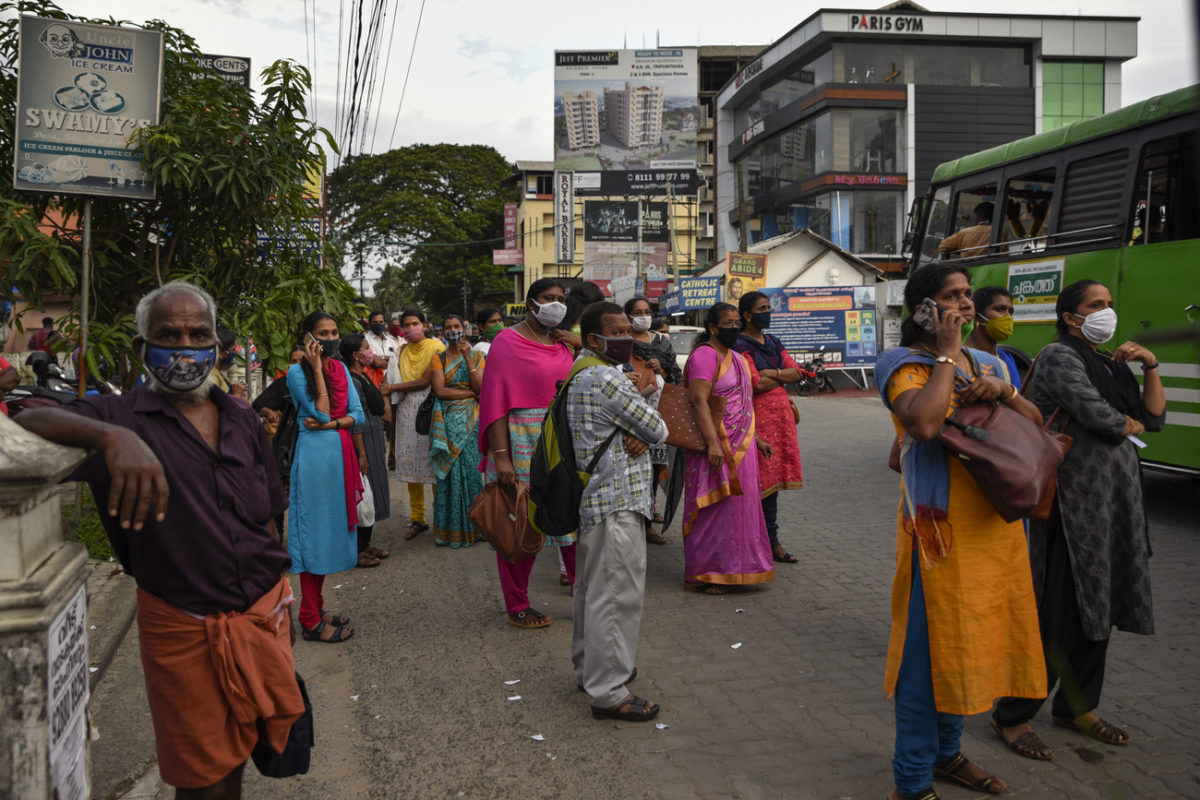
[(610, 586)]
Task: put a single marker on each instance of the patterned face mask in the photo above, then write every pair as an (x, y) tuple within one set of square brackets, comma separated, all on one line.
[(180, 369), (453, 337)]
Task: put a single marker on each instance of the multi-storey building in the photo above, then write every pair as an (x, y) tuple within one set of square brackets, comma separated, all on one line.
[(635, 114), (838, 125), (582, 115)]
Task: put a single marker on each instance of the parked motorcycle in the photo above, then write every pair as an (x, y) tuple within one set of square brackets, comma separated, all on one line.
[(52, 388), (813, 375)]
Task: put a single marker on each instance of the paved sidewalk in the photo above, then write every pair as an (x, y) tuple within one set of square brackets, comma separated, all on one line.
[(416, 705)]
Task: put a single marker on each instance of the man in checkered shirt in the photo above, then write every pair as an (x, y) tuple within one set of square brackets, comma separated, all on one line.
[(610, 571)]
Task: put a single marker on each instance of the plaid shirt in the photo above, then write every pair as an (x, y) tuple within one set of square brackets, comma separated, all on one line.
[(599, 400)]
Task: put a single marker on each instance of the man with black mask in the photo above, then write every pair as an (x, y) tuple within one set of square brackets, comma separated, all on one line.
[(611, 560)]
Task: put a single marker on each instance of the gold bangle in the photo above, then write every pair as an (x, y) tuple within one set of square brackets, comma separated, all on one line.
[(500, 450), (1013, 396)]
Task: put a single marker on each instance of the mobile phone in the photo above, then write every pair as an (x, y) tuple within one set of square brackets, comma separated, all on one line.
[(926, 315), (311, 337)]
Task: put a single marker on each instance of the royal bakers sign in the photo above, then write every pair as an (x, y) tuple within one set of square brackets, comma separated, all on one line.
[(564, 217), (886, 23)]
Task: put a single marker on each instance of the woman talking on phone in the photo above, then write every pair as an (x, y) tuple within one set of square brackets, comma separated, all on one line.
[(964, 619)]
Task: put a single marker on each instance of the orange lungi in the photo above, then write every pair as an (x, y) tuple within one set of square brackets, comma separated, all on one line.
[(209, 679)]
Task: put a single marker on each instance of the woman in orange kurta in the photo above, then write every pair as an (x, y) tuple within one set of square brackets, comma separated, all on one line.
[(964, 619)]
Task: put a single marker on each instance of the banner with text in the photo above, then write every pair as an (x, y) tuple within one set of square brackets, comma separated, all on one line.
[(744, 272), (511, 227), (627, 118), (82, 92), (1035, 286), (842, 319), (564, 218)]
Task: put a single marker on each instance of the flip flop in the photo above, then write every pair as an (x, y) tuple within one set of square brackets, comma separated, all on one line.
[(786, 558)]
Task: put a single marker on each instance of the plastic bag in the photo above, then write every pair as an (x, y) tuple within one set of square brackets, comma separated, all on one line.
[(366, 506)]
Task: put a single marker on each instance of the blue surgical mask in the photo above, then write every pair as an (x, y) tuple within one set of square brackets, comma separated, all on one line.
[(180, 369)]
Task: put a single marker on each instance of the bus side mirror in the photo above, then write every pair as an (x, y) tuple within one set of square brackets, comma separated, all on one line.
[(910, 229)]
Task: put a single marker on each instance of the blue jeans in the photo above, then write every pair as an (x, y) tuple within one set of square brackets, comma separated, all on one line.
[(924, 737)]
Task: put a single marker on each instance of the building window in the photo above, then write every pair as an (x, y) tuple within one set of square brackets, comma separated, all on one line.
[(1165, 199), (1071, 91), (861, 222), (545, 184), (876, 141), (931, 64), (798, 153)]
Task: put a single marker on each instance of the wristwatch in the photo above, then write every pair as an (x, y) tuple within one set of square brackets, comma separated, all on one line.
[(945, 360)]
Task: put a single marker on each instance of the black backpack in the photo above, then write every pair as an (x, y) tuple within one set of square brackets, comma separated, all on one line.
[(556, 484)]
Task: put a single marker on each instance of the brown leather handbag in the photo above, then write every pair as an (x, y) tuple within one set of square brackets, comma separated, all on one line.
[(501, 515), (1014, 461), (682, 429), (645, 377)]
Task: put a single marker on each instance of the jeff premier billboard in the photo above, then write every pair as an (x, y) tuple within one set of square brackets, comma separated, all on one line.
[(82, 92), (625, 120)]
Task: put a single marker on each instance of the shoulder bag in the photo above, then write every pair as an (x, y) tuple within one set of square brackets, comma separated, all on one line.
[(501, 515), (683, 431)]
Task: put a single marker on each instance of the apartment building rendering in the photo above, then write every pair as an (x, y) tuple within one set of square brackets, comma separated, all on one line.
[(634, 114), (582, 114)]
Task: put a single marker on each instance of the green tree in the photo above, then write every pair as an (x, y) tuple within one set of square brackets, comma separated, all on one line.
[(435, 210), (231, 213)]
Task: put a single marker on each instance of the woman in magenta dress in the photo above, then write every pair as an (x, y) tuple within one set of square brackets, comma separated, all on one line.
[(724, 534), (771, 371), (525, 364)]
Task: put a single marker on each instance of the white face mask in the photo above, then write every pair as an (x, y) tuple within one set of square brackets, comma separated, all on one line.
[(1099, 326), (549, 314), (640, 324)]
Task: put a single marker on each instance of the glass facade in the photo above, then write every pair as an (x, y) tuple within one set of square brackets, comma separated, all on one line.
[(861, 222), (1071, 91), (931, 64), (782, 90), (797, 154)]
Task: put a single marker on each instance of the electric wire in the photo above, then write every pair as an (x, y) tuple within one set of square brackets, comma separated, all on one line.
[(387, 64), (407, 72), (378, 20)]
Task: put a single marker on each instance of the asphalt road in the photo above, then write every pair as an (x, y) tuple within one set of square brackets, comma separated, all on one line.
[(417, 705)]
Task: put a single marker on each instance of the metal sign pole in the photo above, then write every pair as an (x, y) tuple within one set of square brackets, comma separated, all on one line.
[(86, 289)]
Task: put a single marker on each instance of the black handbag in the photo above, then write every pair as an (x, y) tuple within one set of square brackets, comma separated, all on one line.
[(424, 419), (294, 759)]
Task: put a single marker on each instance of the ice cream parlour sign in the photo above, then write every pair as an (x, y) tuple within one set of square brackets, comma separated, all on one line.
[(83, 90)]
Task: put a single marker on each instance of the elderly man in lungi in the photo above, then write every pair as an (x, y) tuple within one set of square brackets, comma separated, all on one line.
[(190, 489)]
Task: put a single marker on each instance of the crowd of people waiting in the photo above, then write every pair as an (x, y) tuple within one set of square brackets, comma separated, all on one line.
[(986, 614)]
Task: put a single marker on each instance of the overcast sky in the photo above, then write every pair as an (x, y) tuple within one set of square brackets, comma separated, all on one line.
[(483, 70)]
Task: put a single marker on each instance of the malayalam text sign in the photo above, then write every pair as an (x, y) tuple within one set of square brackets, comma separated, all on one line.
[(83, 91), (842, 319), (510, 226), (508, 257), (67, 667), (1035, 286)]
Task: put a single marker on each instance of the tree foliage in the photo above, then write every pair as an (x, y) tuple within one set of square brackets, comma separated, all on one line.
[(231, 214), (434, 210)]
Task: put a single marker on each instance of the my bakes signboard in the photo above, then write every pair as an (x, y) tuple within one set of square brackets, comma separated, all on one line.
[(83, 91)]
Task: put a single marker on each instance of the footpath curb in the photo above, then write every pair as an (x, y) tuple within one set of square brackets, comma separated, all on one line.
[(112, 605)]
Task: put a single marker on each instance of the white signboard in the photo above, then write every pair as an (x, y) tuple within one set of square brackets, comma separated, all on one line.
[(564, 217), (82, 92), (1034, 286), (67, 667)]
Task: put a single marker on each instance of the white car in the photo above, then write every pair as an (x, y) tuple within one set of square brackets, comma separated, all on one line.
[(683, 340)]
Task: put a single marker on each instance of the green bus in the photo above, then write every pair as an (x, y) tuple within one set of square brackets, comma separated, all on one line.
[(1114, 198)]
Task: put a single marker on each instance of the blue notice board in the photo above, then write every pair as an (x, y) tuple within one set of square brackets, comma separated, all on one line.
[(842, 319)]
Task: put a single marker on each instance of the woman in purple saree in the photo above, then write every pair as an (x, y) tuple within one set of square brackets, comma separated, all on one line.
[(725, 539)]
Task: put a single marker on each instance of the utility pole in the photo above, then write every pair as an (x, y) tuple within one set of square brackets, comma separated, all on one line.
[(465, 293)]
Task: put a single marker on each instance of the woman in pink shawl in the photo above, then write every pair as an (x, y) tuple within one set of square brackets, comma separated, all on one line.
[(725, 539), (525, 364)]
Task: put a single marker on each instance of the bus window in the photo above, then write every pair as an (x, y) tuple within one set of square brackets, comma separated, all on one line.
[(1027, 202), (1164, 202), (973, 212), (935, 230), (1089, 211)]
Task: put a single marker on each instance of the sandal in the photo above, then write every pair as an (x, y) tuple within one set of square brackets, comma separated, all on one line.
[(952, 771), (658, 518), (334, 619), (414, 530), (632, 675), (1028, 744), (705, 588), (375, 551), (529, 619), (563, 580), (631, 709), (313, 634), (366, 560), (928, 794), (1100, 729), (783, 558), (655, 538)]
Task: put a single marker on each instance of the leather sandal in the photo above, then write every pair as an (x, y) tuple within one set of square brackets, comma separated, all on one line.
[(952, 771), (528, 619), (928, 794), (1027, 745), (639, 710), (313, 634), (1101, 730)]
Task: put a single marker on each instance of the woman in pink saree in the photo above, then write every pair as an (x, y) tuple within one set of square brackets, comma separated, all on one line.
[(725, 539)]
